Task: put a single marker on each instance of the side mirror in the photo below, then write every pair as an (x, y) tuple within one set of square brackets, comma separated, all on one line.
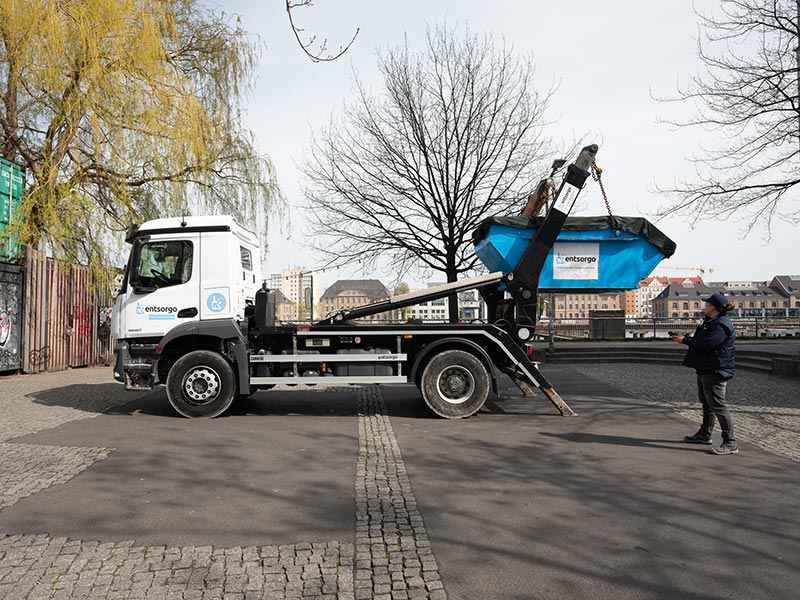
[(136, 253), (130, 235), (133, 277)]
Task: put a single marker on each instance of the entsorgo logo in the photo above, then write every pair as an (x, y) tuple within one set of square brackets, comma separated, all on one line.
[(160, 309), (581, 259)]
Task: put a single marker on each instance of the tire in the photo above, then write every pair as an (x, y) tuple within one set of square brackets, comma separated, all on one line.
[(455, 384), (201, 384), (418, 378)]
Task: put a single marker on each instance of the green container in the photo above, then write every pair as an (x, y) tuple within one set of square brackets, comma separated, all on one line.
[(9, 248), (12, 184)]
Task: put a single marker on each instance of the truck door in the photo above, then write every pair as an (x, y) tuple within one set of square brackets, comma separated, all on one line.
[(164, 285), (247, 282), (218, 274)]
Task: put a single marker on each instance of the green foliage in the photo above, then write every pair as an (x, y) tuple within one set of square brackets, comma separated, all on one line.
[(402, 288), (123, 111)]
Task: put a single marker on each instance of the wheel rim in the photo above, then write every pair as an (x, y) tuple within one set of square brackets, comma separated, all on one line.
[(455, 384), (201, 386)]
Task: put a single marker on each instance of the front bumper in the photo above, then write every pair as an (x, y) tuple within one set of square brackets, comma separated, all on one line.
[(138, 370)]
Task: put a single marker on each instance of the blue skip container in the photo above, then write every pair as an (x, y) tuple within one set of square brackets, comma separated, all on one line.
[(588, 254)]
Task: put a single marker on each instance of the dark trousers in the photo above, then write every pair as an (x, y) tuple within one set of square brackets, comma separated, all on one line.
[(711, 390)]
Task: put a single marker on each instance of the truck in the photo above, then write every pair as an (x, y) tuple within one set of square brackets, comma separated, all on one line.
[(192, 314)]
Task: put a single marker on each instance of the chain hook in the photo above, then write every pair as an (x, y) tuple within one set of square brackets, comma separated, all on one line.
[(597, 174)]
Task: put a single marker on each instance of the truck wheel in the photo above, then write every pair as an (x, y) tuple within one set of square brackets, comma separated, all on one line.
[(455, 384), (201, 384)]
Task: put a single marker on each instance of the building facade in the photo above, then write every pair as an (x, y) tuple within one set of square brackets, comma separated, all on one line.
[(346, 294), (779, 297), (575, 305), (789, 286), (650, 288), (628, 303), (435, 311), (471, 306), (286, 311), (293, 284), (760, 298), (681, 301)]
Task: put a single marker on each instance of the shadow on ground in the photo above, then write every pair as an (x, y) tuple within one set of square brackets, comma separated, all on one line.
[(608, 504)]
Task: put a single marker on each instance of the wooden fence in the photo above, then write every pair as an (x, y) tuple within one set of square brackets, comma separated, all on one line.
[(67, 311)]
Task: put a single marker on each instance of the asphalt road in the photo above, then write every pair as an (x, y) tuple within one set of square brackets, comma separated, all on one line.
[(518, 501), (276, 469), (522, 503)]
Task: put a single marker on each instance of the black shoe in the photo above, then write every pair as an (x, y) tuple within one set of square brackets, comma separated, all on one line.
[(725, 448), (697, 439)]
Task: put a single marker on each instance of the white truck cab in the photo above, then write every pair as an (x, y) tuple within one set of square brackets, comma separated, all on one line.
[(184, 275), (184, 270)]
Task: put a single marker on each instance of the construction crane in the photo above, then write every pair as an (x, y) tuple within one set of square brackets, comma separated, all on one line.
[(700, 270)]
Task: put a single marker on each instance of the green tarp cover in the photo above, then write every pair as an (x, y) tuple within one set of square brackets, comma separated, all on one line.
[(634, 225)]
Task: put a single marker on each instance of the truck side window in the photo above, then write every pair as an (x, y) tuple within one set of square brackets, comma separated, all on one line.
[(163, 264), (247, 258)]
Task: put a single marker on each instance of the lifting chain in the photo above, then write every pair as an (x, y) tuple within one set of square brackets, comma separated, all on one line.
[(597, 174)]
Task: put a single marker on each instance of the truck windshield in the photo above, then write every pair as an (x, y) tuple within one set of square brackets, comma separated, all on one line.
[(162, 264)]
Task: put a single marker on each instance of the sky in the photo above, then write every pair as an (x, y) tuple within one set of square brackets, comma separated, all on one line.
[(609, 60)]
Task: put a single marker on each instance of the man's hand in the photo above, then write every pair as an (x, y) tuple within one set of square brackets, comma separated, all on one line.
[(678, 337)]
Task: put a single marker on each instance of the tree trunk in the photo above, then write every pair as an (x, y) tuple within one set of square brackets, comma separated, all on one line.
[(452, 299)]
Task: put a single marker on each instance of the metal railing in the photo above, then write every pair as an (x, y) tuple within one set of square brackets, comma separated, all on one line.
[(659, 328)]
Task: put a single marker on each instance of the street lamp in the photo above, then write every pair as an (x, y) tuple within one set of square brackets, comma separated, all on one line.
[(548, 302)]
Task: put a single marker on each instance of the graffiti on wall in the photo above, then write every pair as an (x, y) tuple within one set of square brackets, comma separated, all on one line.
[(9, 325)]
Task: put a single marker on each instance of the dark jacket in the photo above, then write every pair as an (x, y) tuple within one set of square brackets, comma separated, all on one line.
[(712, 348)]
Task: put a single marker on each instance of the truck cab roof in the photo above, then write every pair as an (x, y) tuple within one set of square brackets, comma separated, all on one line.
[(199, 223)]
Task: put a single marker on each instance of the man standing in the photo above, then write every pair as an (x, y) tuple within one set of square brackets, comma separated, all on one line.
[(712, 354)]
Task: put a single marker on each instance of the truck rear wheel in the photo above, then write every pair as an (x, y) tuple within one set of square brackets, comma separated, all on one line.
[(455, 384), (201, 384)]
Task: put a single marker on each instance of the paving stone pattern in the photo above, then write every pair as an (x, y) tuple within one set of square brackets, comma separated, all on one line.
[(31, 403), (26, 469), (394, 559), (765, 408), (391, 560), (36, 567)]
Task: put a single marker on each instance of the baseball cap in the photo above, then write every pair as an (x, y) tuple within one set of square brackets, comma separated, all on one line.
[(718, 301)]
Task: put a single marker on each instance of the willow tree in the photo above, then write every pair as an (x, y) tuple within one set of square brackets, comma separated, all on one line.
[(122, 111), (405, 175)]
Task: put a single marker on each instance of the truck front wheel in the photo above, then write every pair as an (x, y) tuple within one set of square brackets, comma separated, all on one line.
[(201, 384), (455, 384)]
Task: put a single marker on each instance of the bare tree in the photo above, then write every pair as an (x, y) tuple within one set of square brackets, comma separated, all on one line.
[(316, 51), (750, 93), (405, 175)]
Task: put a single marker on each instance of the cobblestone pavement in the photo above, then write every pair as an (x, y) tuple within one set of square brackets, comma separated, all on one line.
[(38, 566), (32, 403), (394, 560), (27, 469), (35, 402), (765, 408), (391, 560)]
